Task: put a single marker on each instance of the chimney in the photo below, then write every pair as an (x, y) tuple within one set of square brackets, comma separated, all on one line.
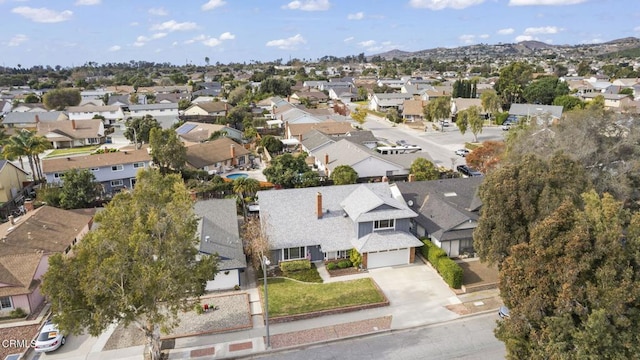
[(37, 118), (226, 109), (385, 179), (13, 221), (28, 205), (319, 204), (233, 155), (73, 124), (412, 178), (326, 159), (300, 138)]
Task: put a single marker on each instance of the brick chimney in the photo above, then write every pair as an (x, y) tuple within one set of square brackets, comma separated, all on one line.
[(319, 204), (233, 155), (385, 179), (73, 124), (326, 159), (412, 178), (28, 205)]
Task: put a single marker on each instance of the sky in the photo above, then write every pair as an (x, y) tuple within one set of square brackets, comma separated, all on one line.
[(74, 32)]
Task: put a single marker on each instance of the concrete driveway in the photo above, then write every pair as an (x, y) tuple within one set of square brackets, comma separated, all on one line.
[(416, 293)]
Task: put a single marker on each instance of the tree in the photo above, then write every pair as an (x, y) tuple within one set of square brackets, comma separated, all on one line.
[(138, 129), (487, 157), (183, 104), (31, 99), (575, 285), (206, 60), (237, 95), (394, 115), (360, 115), (279, 87), (59, 99), (344, 174), (179, 78), (363, 93), (79, 189), (490, 102), (424, 169), (517, 195), (545, 90), (568, 102), (470, 119), (244, 187), (255, 243), (597, 103), (141, 266), (438, 109), (27, 143), (167, 151), (288, 170), (272, 144), (513, 79)]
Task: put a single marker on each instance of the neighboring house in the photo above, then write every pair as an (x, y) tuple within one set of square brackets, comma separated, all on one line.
[(97, 94), (219, 235), (325, 223), (385, 101), (313, 96), (5, 107), (611, 101), (111, 114), (72, 133), (217, 156), (295, 131), (114, 171), (27, 243), (448, 211), (165, 114), (12, 179), (214, 108), (461, 104), (551, 113), (30, 119), (24, 107), (346, 94), (413, 110), (193, 132)]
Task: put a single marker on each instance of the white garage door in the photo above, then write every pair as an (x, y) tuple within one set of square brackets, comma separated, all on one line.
[(388, 258)]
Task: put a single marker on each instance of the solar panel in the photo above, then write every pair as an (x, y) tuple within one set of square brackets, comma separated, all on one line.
[(186, 128)]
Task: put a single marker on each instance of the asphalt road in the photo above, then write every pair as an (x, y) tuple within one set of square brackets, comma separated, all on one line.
[(439, 145), (466, 338)]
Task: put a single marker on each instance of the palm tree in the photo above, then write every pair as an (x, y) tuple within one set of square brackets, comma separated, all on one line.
[(14, 148), (245, 187), (26, 143), (37, 145)]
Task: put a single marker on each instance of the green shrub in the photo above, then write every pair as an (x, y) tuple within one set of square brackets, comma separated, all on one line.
[(332, 266), (295, 265), (501, 117), (355, 257), (343, 264), (17, 313), (451, 272)]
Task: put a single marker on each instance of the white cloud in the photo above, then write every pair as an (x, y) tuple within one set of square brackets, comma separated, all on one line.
[(43, 15), (173, 25), (18, 39), (467, 38), (288, 43), (356, 16), (158, 11), (349, 39), (524, 38), (542, 30), (308, 5), (141, 40), (211, 41), (506, 31), (373, 46), (483, 36), (212, 4), (115, 48), (443, 4), (368, 43), (88, 2), (227, 36), (544, 2)]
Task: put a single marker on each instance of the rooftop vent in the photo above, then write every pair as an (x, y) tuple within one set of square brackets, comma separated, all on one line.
[(450, 194)]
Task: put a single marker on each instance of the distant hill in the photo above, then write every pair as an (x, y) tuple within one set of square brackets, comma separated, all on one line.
[(621, 47)]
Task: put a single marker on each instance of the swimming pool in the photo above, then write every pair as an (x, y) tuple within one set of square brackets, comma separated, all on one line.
[(236, 176)]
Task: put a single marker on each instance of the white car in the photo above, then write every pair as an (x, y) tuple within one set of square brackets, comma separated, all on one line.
[(50, 338), (462, 152)]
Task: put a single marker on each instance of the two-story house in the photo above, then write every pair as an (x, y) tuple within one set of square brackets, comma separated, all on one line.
[(114, 170), (165, 114), (111, 113), (324, 223)]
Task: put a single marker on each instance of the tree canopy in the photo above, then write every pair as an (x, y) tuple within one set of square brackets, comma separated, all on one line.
[(272, 144), (167, 151), (140, 128), (487, 157), (140, 266), (470, 119), (512, 82), (291, 171), (59, 99), (79, 189), (424, 169), (438, 109), (545, 90), (344, 174)]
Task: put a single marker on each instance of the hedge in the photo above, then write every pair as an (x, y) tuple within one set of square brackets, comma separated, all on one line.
[(450, 271), (295, 265)]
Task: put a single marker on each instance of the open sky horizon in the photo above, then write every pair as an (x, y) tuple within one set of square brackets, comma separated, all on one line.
[(74, 32)]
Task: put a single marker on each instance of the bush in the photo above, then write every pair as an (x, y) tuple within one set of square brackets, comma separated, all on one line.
[(343, 264), (17, 313), (295, 265), (332, 266), (450, 271)]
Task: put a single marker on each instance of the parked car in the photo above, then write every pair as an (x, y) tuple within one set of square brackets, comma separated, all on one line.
[(506, 126), (402, 143), (49, 339), (467, 171), (503, 312), (462, 152), (445, 123)]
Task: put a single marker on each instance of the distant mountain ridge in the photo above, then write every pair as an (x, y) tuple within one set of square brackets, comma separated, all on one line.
[(514, 50)]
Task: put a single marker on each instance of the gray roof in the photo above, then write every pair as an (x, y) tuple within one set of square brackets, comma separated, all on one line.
[(364, 204), (535, 110), (170, 106), (289, 216), (359, 137), (345, 152), (30, 117), (315, 139), (219, 222), (385, 240)]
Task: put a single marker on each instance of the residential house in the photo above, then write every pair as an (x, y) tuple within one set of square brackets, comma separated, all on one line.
[(413, 110), (26, 107), (193, 132), (346, 94), (217, 156), (611, 101), (385, 101), (219, 235), (295, 131), (212, 88), (29, 120), (72, 133), (115, 171), (325, 223), (448, 211), (97, 94), (314, 141), (313, 97), (214, 108), (111, 114), (542, 113), (27, 243), (5, 107), (165, 114), (170, 98), (12, 180), (461, 104)]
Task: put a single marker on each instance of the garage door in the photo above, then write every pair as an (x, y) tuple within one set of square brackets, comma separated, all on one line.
[(388, 258)]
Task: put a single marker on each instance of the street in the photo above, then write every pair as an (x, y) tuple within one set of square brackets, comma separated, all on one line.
[(466, 338), (440, 145)]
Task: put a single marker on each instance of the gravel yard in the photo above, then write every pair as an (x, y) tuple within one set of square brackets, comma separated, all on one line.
[(233, 314)]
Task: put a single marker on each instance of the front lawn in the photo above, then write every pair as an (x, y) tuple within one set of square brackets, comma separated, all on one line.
[(73, 151), (288, 297)]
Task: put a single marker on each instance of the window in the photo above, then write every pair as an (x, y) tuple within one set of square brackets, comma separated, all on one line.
[(293, 253), (138, 165), (95, 169), (58, 175), (343, 254), (5, 303), (117, 168), (93, 140), (241, 160), (383, 224), (116, 183)]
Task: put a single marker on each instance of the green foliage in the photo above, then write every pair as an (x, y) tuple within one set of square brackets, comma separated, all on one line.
[(31, 99), (512, 82), (280, 87), (359, 115), (290, 171), (17, 313), (568, 102), (501, 117), (424, 169), (465, 89), (167, 151), (438, 109), (183, 104), (470, 119), (49, 194), (79, 189), (105, 150), (343, 175), (295, 265), (355, 257), (179, 78), (144, 256), (141, 128), (393, 115), (490, 101), (332, 266), (59, 99), (544, 90), (343, 264), (450, 271)]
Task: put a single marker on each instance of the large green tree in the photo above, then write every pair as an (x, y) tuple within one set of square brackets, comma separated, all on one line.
[(272, 144), (574, 289), (512, 81), (490, 102), (470, 119), (289, 171), (359, 115), (59, 99), (244, 187), (167, 151), (141, 266), (438, 109), (517, 195), (26, 143), (79, 189), (424, 169), (138, 129), (545, 90), (344, 174)]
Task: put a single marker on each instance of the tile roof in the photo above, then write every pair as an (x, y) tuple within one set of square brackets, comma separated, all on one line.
[(18, 271), (211, 152), (218, 231), (95, 160)]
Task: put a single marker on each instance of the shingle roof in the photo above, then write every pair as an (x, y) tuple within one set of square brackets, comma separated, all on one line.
[(385, 240), (535, 110), (364, 204), (214, 106), (93, 108), (329, 128), (218, 230), (95, 160), (314, 139), (18, 271), (30, 117), (211, 152), (63, 130)]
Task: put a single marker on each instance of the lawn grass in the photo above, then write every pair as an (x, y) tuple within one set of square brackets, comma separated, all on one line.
[(306, 275), (288, 297), (73, 151)]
